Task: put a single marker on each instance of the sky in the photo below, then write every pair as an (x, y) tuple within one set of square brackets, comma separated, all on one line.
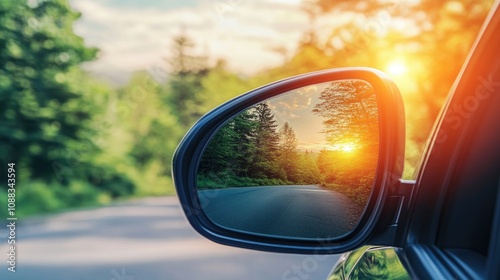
[(295, 107), (135, 35)]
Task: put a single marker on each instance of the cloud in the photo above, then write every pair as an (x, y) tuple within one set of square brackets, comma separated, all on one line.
[(134, 36)]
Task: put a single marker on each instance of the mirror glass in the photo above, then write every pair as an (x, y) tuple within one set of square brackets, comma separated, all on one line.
[(298, 165)]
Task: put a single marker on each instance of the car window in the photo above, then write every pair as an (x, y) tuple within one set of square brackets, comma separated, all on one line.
[(471, 199)]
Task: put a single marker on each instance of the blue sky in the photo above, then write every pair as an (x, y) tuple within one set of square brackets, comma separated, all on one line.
[(136, 34)]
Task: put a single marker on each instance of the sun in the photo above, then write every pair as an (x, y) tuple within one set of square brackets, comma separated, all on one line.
[(348, 147), (397, 68)]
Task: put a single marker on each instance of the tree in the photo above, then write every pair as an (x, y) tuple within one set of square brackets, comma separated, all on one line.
[(266, 137), (47, 110), (266, 142), (351, 113), (307, 169), (219, 155), (288, 156), (351, 118), (183, 92), (431, 38), (231, 148), (220, 85)]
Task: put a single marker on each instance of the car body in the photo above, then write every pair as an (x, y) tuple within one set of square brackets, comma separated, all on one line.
[(445, 224)]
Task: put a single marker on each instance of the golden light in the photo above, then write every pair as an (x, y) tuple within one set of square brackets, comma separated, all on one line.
[(397, 68), (348, 147)]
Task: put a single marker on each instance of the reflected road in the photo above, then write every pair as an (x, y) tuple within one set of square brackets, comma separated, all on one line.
[(305, 211), (140, 240)]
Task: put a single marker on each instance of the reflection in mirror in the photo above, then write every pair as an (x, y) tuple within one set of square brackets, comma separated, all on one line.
[(299, 165), (371, 263)]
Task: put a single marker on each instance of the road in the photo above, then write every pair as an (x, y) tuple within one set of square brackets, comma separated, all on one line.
[(140, 240), (293, 211)]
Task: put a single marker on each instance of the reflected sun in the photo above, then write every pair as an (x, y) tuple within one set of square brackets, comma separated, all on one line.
[(348, 147)]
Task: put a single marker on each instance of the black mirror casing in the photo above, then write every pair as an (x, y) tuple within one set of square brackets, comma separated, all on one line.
[(387, 178)]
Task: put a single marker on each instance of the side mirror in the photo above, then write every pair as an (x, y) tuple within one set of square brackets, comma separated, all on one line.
[(302, 165)]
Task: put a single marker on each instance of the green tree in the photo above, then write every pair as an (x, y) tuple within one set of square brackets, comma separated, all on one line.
[(46, 111), (288, 156), (265, 158), (231, 148), (184, 87), (220, 85), (308, 169)]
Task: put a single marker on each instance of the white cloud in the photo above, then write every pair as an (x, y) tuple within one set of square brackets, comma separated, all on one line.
[(241, 32)]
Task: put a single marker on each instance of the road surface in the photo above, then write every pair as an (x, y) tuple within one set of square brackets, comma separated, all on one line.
[(292, 211), (145, 239)]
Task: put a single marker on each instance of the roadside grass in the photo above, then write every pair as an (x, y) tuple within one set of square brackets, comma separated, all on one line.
[(37, 198), (228, 181)]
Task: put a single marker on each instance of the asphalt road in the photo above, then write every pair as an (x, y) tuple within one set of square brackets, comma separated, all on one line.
[(139, 240), (292, 211)]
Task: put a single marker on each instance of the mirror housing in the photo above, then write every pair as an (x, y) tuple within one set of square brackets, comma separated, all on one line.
[(389, 169)]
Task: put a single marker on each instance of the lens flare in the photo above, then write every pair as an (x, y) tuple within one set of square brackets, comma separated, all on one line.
[(397, 68)]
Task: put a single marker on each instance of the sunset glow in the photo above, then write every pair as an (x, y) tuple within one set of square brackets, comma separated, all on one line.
[(397, 68), (344, 147), (348, 147)]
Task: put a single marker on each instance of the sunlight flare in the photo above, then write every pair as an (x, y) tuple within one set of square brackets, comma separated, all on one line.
[(348, 147), (397, 68)]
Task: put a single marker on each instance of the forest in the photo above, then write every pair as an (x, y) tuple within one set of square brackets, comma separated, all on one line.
[(77, 140), (251, 149)]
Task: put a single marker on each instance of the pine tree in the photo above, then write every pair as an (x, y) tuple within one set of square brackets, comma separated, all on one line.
[(265, 158), (288, 152), (185, 81)]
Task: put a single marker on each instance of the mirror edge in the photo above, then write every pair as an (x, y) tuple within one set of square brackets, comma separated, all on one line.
[(389, 169)]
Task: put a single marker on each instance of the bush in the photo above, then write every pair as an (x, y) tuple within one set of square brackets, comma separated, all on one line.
[(78, 194), (38, 197), (107, 179), (225, 180)]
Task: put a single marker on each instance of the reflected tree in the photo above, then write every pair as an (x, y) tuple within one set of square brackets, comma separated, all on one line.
[(265, 158), (231, 148), (349, 109), (288, 150), (350, 112)]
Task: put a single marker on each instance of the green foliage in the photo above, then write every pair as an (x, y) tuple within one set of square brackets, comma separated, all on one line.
[(38, 197), (228, 180), (219, 85), (184, 85), (73, 139), (288, 152), (371, 263), (306, 170), (52, 110), (46, 110), (249, 150)]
